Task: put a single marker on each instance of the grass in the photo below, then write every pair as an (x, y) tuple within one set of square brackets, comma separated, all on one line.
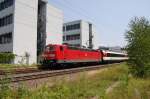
[(14, 66), (87, 87), (134, 89)]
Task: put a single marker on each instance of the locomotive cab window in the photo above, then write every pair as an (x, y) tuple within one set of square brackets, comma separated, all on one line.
[(50, 48)]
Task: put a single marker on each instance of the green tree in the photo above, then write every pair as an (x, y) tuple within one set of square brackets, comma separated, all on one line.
[(138, 47)]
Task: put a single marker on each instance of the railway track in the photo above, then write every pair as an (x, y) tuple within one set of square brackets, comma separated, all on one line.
[(18, 71), (45, 74)]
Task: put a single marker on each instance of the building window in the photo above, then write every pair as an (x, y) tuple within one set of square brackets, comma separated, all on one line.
[(63, 38), (64, 29), (6, 38), (73, 27), (6, 20), (5, 4), (73, 37)]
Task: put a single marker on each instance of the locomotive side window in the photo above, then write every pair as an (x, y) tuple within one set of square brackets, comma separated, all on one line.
[(52, 48), (61, 48)]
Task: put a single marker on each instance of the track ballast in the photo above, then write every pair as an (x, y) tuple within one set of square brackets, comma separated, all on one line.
[(45, 74)]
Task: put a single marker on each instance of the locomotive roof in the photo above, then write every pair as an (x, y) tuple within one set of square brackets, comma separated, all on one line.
[(73, 47), (79, 48)]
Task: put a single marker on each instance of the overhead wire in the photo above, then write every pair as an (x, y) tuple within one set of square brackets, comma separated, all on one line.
[(83, 11), (73, 11), (66, 4)]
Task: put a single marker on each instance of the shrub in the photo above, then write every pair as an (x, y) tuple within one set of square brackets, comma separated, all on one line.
[(6, 57)]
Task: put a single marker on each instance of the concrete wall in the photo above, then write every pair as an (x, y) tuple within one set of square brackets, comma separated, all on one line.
[(85, 33), (25, 29), (95, 44), (54, 25)]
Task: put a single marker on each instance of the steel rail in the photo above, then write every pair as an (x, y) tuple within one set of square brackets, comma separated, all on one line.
[(46, 74), (18, 71)]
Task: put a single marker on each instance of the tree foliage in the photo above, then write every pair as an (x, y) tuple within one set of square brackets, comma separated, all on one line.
[(138, 47)]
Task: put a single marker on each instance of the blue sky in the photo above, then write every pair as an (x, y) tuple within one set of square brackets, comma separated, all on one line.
[(111, 17)]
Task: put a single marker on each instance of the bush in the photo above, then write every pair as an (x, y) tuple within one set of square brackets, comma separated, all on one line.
[(6, 58), (138, 48)]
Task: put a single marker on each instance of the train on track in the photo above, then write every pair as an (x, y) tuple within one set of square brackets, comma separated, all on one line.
[(63, 54)]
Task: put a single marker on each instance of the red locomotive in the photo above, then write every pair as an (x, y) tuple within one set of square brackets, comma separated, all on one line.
[(64, 54)]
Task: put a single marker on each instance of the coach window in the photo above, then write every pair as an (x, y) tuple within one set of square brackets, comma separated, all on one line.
[(114, 55)]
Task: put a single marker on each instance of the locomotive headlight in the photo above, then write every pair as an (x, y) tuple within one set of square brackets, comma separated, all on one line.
[(52, 55)]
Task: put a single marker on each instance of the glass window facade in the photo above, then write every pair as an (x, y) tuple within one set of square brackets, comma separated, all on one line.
[(6, 20), (6, 38), (73, 37), (72, 27), (5, 4)]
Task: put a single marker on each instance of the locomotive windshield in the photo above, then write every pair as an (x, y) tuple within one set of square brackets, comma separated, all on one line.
[(50, 48)]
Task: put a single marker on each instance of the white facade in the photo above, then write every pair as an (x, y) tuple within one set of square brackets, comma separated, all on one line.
[(77, 35), (24, 28), (54, 25)]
